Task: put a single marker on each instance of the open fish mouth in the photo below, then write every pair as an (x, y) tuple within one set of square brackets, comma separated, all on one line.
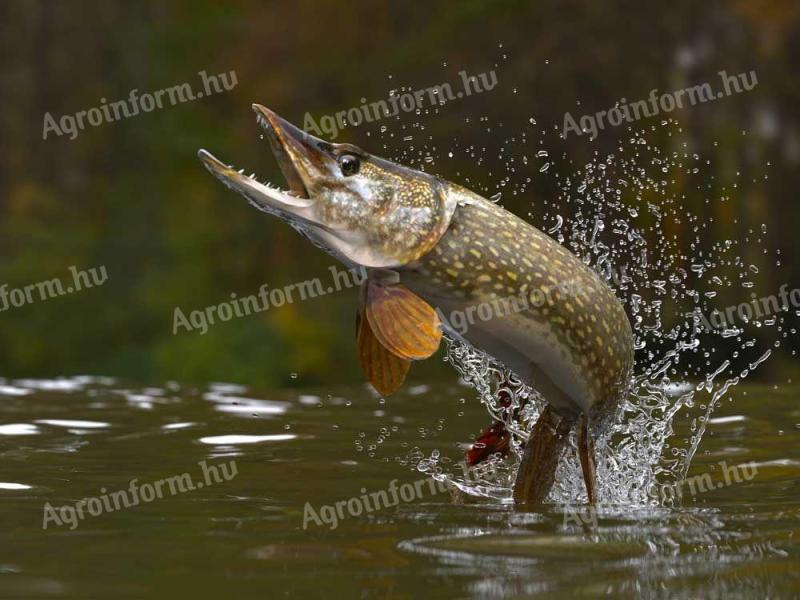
[(282, 137), (296, 152)]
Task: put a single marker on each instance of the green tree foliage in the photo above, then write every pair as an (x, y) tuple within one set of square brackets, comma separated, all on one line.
[(132, 196)]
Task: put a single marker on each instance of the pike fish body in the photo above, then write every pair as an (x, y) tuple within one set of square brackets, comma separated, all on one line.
[(551, 319), (441, 257)]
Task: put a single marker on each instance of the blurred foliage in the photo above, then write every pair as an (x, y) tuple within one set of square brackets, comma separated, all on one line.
[(132, 196)]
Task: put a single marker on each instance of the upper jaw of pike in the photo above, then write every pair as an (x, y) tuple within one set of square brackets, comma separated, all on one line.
[(292, 205)]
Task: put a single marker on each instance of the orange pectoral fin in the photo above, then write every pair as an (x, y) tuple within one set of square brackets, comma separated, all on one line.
[(404, 324), (385, 371)]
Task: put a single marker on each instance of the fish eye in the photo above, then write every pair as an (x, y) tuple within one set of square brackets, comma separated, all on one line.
[(349, 164)]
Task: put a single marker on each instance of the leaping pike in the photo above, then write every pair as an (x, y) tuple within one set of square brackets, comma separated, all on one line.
[(430, 245)]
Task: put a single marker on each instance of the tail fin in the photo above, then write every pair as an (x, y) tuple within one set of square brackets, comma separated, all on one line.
[(587, 457), (546, 445)]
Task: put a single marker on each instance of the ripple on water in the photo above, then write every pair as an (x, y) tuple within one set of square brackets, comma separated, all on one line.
[(14, 486), (172, 426), (309, 399), (235, 440), (143, 401), (726, 420), (19, 429), (572, 548), (69, 423), (227, 388), (60, 384), (10, 390), (241, 405)]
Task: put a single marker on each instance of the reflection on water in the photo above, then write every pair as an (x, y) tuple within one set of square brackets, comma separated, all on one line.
[(67, 439), (233, 440), (18, 429)]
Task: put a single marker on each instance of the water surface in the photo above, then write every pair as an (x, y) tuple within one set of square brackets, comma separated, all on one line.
[(65, 440)]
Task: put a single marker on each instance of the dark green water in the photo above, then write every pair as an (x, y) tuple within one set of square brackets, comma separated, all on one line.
[(66, 440)]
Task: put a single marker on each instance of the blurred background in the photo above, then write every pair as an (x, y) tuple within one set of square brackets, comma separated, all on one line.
[(131, 195)]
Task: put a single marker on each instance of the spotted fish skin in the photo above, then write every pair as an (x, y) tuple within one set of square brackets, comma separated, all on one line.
[(552, 320), (496, 281)]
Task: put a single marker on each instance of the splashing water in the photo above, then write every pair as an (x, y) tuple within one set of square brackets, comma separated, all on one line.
[(631, 219)]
